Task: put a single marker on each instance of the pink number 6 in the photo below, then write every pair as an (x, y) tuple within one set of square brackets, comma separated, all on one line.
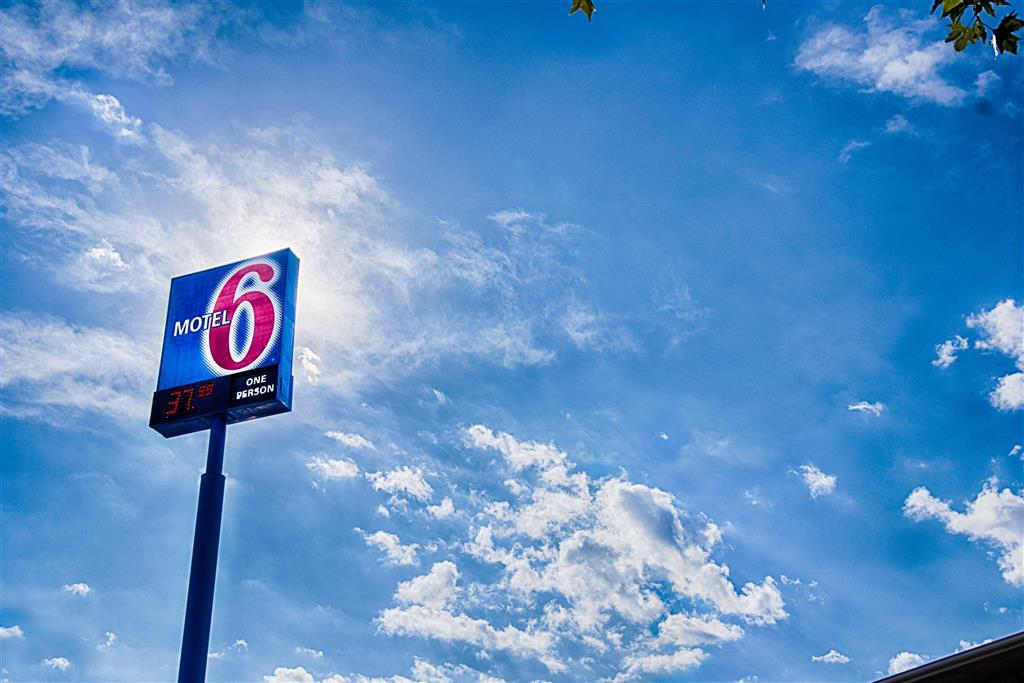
[(262, 314)]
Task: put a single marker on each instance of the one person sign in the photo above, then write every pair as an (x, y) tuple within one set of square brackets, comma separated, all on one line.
[(228, 344)]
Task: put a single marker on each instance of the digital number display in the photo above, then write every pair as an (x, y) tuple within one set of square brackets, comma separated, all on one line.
[(241, 396), (192, 399)]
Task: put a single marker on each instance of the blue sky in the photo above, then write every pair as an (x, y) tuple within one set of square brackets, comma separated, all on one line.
[(683, 345)]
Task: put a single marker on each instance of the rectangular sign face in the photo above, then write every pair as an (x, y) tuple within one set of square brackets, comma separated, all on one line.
[(227, 344)]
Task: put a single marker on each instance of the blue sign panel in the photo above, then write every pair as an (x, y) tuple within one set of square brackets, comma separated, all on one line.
[(227, 344)]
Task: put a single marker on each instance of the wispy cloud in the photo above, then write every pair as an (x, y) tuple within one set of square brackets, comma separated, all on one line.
[(876, 408), (899, 125), (850, 148)]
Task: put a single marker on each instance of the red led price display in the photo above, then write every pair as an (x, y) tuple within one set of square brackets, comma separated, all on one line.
[(192, 396), (171, 405)]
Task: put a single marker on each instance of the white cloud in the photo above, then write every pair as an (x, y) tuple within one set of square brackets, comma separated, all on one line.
[(684, 658), (11, 632), (1002, 329), (1014, 451), (440, 624), (330, 468), (1009, 392), (394, 552), (239, 646), (995, 517), (110, 111), (754, 497), (831, 657), (309, 362), (684, 630), (422, 671), (519, 454), (436, 589), (400, 480), (352, 440), (968, 645), (56, 663), (598, 547), (442, 510), (663, 436), (121, 39), (71, 366), (78, 589), (946, 351), (850, 148), (985, 82), (889, 56), (368, 307), (109, 642), (899, 125), (818, 483), (309, 652), (905, 661), (875, 408), (285, 675)]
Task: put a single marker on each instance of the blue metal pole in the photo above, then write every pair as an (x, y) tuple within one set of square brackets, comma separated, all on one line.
[(195, 642)]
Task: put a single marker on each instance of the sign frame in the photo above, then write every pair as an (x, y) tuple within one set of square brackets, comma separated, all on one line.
[(201, 335)]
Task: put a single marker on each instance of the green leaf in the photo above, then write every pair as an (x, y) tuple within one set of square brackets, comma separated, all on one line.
[(956, 29), (960, 43), (587, 6), (1005, 34), (951, 6)]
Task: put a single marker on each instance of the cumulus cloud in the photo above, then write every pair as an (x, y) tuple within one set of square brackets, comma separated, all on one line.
[(394, 551), (330, 468), (818, 483), (1001, 329), (444, 625), (422, 671), (357, 441), (592, 551), (11, 632), (875, 408), (284, 674), (892, 56), (436, 589), (994, 517), (442, 510), (905, 661), (831, 657), (77, 589), (56, 663), (636, 665), (946, 352), (402, 480), (110, 639)]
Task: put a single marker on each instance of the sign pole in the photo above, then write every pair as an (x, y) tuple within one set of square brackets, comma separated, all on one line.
[(195, 642)]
